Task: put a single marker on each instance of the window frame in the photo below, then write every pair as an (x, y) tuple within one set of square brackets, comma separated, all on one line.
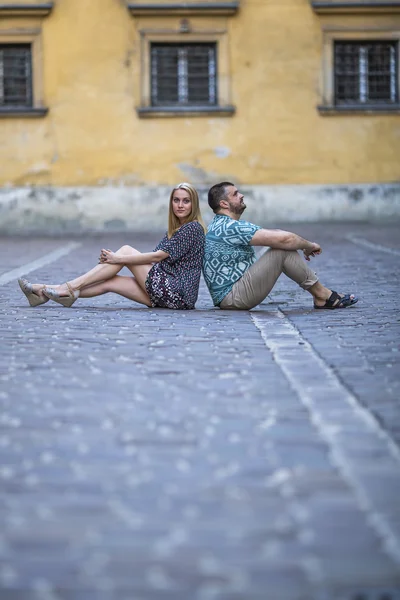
[(184, 45), (362, 45), (336, 34), (29, 78), (28, 32), (184, 31)]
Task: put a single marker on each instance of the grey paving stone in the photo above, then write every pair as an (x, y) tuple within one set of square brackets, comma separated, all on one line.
[(153, 454)]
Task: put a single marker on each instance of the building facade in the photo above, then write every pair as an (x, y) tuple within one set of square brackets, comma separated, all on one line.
[(105, 104)]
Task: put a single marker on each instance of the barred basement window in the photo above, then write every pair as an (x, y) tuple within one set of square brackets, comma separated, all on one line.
[(366, 73), (15, 75), (183, 74)]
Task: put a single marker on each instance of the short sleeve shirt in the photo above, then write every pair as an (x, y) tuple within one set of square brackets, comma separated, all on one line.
[(228, 254), (174, 282)]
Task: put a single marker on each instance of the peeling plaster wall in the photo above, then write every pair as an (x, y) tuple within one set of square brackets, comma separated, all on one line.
[(92, 135), (83, 209)]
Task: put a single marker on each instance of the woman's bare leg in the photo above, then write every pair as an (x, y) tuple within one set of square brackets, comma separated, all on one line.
[(119, 284), (103, 272), (139, 272)]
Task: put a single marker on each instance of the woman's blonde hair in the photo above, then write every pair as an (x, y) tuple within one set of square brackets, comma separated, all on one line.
[(195, 213)]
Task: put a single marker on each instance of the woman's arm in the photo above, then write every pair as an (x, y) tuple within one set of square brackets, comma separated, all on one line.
[(110, 258)]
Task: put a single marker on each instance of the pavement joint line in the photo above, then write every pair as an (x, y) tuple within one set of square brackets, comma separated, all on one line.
[(362, 242), (38, 263), (291, 352)]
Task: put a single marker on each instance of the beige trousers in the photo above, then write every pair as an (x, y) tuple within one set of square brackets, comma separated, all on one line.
[(257, 282)]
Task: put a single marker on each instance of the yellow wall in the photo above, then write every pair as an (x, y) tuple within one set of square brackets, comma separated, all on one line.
[(92, 134)]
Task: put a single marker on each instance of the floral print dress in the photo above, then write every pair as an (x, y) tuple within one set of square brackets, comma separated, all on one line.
[(174, 282)]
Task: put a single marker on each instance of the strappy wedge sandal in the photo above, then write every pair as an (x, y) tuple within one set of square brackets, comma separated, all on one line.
[(27, 289), (67, 301), (336, 301)]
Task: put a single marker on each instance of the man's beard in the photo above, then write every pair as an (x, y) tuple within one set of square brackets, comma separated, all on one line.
[(236, 210)]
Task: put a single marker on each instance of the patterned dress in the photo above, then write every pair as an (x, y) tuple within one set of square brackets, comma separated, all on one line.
[(174, 282)]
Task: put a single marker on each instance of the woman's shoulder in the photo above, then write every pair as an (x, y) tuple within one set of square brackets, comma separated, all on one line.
[(193, 226)]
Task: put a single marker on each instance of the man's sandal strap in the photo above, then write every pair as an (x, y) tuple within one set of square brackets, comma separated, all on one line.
[(332, 301), (336, 301)]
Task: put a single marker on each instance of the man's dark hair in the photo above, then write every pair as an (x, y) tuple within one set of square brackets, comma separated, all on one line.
[(216, 194)]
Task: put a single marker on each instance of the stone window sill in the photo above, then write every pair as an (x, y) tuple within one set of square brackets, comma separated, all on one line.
[(371, 109), (184, 8), (15, 9), (22, 112), (145, 112), (354, 7)]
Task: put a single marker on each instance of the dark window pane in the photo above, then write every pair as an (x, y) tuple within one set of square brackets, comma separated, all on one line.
[(201, 75), (183, 74), (15, 75), (164, 75), (381, 61), (366, 72), (347, 76)]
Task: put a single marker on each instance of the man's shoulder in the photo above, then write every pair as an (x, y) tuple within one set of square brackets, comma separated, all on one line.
[(222, 223), (248, 225), (218, 221), (227, 227)]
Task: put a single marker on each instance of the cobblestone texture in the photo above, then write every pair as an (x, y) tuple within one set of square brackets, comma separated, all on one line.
[(163, 455)]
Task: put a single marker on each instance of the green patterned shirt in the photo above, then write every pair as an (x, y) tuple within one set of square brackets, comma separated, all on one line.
[(227, 255)]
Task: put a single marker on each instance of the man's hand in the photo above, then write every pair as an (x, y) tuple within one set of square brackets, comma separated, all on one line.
[(316, 249), (110, 258)]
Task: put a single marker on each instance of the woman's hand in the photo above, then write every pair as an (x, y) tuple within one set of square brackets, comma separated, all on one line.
[(110, 258)]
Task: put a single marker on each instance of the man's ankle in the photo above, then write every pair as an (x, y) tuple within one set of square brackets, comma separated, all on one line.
[(320, 292)]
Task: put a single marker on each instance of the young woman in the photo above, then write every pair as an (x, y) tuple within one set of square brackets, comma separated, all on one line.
[(169, 277)]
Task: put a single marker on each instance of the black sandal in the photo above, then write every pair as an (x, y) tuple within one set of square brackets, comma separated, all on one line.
[(336, 301)]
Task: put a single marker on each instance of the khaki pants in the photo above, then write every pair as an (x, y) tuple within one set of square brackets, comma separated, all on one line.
[(257, 282)]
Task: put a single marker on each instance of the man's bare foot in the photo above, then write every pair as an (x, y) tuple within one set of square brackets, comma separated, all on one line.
[(320, 293), (326, 298)]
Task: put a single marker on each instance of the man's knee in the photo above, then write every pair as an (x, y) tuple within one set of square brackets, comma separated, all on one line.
[(281, 251)]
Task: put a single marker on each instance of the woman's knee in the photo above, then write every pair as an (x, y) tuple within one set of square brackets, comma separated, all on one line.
[(127, 250)]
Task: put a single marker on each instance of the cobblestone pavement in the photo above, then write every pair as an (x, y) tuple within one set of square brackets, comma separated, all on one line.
[(202, 455)]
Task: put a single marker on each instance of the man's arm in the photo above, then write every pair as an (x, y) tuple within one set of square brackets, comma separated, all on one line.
[(108, 257), (285, 240)]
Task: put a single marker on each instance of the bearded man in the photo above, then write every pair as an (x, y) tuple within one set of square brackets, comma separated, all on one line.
[(235, 278)]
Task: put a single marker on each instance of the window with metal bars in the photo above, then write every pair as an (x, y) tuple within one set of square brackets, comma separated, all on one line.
[(366, 73), (184, 74), (15, 75)]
